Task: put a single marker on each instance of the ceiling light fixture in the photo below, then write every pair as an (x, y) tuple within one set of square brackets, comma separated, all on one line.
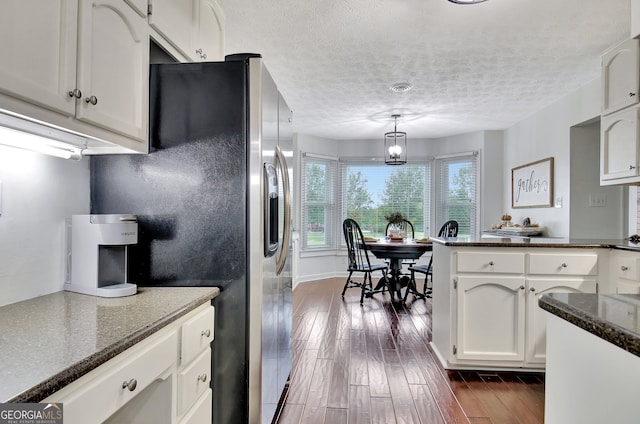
[(400, 87), (395, 145), (466, 1)]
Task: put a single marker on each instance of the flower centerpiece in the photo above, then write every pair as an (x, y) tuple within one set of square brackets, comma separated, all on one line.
[(396, 219)]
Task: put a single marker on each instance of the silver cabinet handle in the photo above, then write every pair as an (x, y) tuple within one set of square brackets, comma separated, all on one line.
[(624, 268), (75, 93), (532, 289), (93, 100), (131, 384), (632, 167), (632, 94), (203, 378), (491, 263), (199, 51), (205, 333), (521, 287), (564, 265)]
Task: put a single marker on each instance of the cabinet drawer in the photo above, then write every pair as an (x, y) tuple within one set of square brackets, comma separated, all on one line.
[(100, 393), (193, 381), (627, 287), (628, 268), (563, 264), (501, 262), (201, 411), (197, 334)]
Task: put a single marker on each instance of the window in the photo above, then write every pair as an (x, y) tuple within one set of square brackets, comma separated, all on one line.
[(371, 190), (457, 197), (318, 201)]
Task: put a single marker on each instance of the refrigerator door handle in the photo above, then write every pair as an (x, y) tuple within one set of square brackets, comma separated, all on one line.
[(286, 236)]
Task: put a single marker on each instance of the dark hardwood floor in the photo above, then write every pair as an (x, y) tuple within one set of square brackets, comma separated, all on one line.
[(372, 364)]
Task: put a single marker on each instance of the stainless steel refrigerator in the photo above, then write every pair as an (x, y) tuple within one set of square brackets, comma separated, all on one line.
[(213, 202)]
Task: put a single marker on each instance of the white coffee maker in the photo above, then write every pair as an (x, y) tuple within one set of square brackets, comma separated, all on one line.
[(97, 254)]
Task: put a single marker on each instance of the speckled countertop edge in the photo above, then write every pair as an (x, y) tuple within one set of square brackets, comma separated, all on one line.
[(590, 322), (536, 242), (76, 370)]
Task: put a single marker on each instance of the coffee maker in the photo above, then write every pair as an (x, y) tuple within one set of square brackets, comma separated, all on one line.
[(97, 257)]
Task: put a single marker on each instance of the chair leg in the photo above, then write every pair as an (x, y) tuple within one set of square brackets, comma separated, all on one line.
[(346, 285), (367, 275), (411, 287), (427, 290)]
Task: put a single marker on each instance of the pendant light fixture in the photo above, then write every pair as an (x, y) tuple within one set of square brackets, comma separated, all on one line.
[(395, 145), (466, 1)]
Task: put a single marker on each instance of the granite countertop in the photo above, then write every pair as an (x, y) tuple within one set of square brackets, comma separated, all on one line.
[(537, 242), (612, 317), (49, 341)]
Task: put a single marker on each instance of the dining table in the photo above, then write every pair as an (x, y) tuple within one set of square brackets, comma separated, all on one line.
[(396, 252)]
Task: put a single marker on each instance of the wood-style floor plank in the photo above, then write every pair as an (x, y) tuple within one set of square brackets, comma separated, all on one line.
[(372, 364)]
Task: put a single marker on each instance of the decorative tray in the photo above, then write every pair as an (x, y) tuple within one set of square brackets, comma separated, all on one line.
[(520, 231)]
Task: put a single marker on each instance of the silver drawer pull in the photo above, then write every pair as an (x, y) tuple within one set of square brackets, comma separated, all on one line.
[(491, 263), (131, 384), (205, 333), (624, 268), (521, 287), (203, 378), (564, 265)]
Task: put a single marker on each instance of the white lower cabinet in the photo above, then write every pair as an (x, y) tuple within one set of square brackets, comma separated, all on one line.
[(147, 383), (490, 315), (536, 322), (486, 312), (625, 269)]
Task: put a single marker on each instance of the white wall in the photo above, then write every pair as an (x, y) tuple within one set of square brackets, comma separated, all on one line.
[(547, 134), (38, 193), (588, 218)]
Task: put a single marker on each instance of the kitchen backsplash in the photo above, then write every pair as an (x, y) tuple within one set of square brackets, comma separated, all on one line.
[(37, 193)]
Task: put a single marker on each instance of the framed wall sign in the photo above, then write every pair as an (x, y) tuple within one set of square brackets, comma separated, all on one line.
[(532, 185)]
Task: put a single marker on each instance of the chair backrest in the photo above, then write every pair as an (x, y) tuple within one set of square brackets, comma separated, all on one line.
[(357, 254), (449, 229), (405, 225)]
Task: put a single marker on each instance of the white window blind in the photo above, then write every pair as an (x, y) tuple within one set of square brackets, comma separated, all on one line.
[(457, 192), (371, 190), (319, 184)]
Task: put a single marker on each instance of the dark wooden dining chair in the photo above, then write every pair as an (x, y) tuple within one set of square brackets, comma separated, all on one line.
[(358, 258), (407, 227), (448, 229)]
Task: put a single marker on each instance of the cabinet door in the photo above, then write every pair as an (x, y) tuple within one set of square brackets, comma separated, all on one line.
[(38, 51), (490, 318), (618, 145), (175, 21), (536, 327), (113, 62), (209, 39), (620, 77)]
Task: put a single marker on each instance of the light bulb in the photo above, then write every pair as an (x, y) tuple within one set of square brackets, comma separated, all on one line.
[(395, 151)]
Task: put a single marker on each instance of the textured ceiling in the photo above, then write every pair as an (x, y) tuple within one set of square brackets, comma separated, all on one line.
[(472, 67)]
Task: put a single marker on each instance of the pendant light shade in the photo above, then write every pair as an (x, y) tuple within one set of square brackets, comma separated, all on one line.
[(395, 145), (467, 1)]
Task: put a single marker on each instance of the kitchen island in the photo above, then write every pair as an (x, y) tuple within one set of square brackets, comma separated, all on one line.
[(486, 290), (593, 359), (50, 341)]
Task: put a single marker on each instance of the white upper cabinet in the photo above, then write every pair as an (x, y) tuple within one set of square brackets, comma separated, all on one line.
[(39, 52), (209, 39), (113, 62), (174, 21), (620, 76), (194, 27), (619, 147)]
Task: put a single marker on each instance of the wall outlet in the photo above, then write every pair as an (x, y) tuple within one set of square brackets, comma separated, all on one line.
[(597, 200)]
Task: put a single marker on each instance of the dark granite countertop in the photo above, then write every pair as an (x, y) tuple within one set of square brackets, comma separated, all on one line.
[(50, 341), (537, 242), (612, 317)]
